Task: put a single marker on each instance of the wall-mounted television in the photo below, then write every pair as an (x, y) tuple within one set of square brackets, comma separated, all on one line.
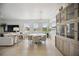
[(10, 28), (70, 30)]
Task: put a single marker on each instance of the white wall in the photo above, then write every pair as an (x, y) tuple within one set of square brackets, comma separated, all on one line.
[(30, 10), (20, 13)]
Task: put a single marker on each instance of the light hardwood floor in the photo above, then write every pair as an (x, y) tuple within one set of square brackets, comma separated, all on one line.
[(26, 48)]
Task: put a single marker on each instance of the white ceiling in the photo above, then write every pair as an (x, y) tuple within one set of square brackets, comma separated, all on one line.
[(28, 11)]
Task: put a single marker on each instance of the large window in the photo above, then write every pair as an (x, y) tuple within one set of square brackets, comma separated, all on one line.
[(45, 27), (35, 26), (27, 27)]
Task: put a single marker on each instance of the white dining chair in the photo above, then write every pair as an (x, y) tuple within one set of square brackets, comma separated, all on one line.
[(36, 39), (29, 37), (43, 38)]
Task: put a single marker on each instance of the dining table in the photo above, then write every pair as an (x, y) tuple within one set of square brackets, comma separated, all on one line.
[(36, 34), (36, 37)]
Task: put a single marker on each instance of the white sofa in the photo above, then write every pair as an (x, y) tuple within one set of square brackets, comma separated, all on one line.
[(12, 36), (6, 41)]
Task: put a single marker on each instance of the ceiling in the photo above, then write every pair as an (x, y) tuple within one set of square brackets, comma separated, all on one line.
[(26, 11)]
